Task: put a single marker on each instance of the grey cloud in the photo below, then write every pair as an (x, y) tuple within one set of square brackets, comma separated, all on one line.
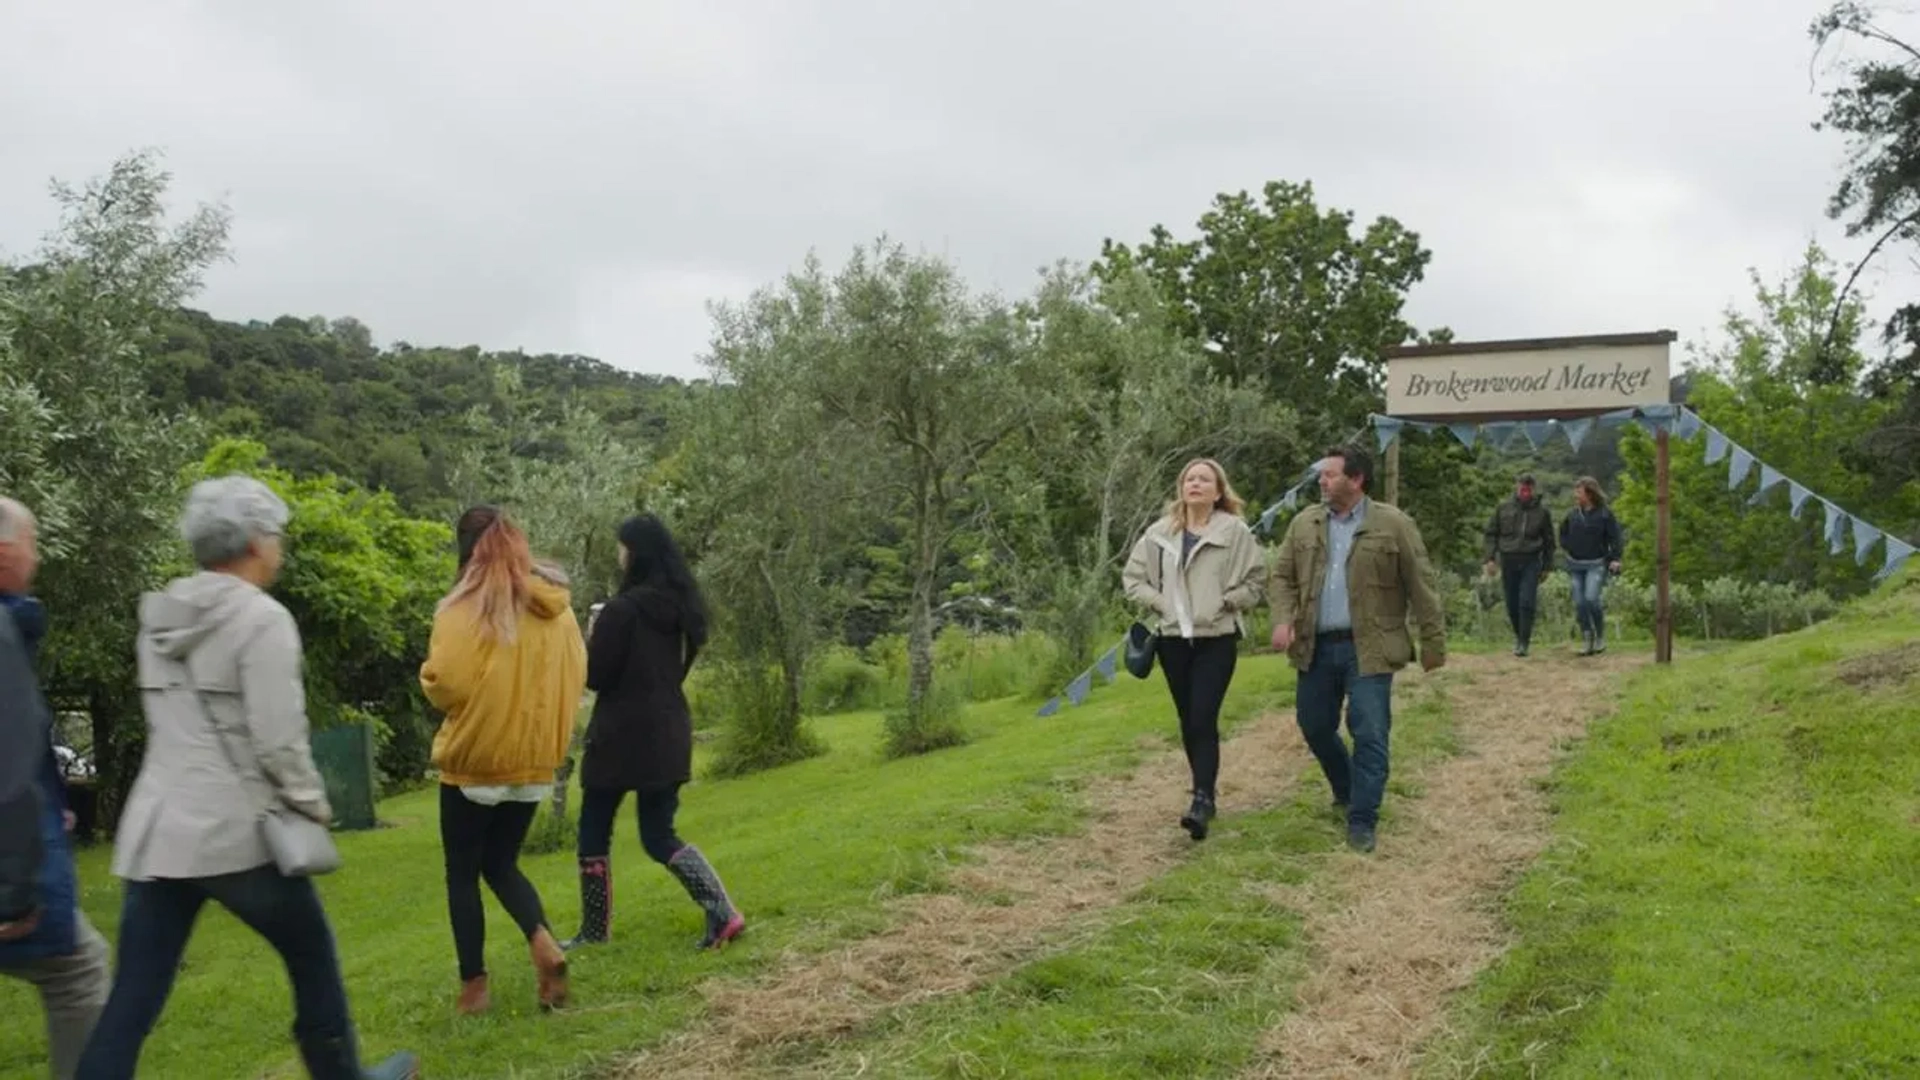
[(582, 177)]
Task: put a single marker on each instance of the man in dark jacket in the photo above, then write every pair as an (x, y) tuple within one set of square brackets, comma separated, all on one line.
[(1520, 549), (44, 939)]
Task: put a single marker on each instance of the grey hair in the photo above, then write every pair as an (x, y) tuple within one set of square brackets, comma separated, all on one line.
[(224, 516), (14, 517)]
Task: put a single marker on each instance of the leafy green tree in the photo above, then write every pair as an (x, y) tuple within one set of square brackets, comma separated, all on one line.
[(928, 380), (1778, 387), (776, 500), (1127, 399), (84, 445), (1288, 296), (563, 473), (1876, 107)]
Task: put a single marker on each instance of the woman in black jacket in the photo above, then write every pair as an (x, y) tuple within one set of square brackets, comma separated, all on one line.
[(1590, 536), (640, 739)]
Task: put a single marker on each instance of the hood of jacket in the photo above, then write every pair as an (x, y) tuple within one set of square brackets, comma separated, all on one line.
[(547, 599), (176, 620)]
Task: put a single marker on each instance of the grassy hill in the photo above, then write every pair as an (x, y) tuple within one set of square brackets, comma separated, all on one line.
[(1735, 890), (813, 853), (1731, 889)]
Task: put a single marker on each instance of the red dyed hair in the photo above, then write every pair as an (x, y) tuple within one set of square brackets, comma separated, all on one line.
[(497, 579)]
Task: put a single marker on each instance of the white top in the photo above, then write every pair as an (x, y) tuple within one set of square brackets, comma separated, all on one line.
[(495, 794)]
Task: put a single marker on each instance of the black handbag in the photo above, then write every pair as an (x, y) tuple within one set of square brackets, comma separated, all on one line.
[(1140, 650)]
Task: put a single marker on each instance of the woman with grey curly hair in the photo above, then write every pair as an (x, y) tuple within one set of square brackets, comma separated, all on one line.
[(220, 683)]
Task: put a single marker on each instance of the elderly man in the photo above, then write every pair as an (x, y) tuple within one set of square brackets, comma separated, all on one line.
[(1349, 573), (44, 939)]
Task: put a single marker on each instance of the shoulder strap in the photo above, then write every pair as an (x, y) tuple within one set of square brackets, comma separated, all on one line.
[(206, 713)]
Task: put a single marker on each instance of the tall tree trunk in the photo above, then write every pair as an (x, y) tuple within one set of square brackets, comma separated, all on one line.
[(926, 567)]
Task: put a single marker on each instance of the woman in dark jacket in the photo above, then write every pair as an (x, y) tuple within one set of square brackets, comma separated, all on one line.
[(640, 739), (1590, 536)]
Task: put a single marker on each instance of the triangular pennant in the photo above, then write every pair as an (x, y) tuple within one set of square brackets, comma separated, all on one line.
[(1537, 432), (1050, 708), (1617, 417), (1465, 433), (1864, 537), (1498, 433), (1313, 472), (1387, 429), (1897, 552), (1106, 665), (1080, 687), (1741, 466), (1797, 497), (1656, 418), (1689, 423), (1576, 431), (1717, 445), (1770, 477), (1266, 517), (1836, 527), (1292, 499)]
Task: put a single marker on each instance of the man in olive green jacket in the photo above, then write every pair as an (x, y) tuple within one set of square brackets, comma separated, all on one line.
[(1348, 632)]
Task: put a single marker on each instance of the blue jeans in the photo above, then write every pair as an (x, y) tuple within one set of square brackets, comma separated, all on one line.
[(1588, 581), (156, 919), (1358, 779)]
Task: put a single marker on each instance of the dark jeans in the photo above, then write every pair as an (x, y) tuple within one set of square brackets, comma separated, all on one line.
[(156, 919), (1520, 578), (1588, 610), (1359, 779), (1198, 673), (599, 807), (484, 841)]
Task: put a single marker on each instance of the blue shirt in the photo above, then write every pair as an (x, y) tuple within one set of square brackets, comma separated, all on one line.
[(1336, 612)]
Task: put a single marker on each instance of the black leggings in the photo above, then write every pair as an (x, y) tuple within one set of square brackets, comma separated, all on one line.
[(599, 807), (1198, 672), (484, 841)]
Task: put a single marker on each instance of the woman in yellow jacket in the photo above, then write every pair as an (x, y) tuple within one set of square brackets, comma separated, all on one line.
[(507, 665)]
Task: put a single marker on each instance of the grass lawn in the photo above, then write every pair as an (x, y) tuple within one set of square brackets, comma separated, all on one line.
[(1183, 979), (1735, 889), (811, 852)]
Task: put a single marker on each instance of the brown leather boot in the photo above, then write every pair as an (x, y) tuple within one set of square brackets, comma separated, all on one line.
[(474, 999), (550, 966)]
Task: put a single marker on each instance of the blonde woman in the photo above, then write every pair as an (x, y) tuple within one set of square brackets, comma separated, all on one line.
[(1198, 570), (507, 664)]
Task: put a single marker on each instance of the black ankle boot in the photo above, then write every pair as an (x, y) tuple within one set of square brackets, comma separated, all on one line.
[(1198, 815)]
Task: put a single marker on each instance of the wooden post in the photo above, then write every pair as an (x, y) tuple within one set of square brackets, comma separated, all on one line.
[(1663, 552), (1391, 489)]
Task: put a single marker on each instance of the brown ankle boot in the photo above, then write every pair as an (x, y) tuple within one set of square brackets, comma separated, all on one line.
[(473, 997), (550, 966)]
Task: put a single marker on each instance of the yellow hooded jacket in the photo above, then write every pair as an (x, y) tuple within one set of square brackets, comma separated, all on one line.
[(510, 705)]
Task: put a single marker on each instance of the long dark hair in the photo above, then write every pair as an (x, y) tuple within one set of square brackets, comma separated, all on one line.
[(654, 562), (1595, 496)]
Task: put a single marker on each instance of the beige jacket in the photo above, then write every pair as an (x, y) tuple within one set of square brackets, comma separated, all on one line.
[(195, 808), (1205, 595)]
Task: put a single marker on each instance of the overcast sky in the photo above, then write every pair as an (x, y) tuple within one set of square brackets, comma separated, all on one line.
[(583, 175)]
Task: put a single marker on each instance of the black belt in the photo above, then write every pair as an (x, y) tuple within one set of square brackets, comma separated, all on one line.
[(1335, 635)]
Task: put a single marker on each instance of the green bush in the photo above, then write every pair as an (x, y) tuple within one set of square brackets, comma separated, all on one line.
[(756, 731), (941, 724), (839, 679), (1721, 609)]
